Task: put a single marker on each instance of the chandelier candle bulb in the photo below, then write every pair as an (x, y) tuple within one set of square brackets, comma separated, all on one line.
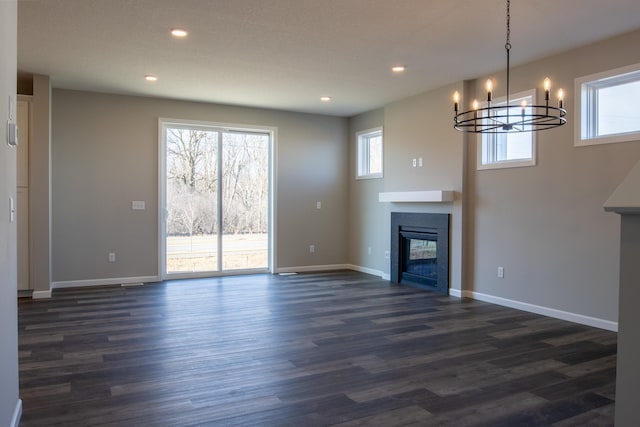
[(456, 100), (475, 113), (523, 104), (547, 88), (560, 98), (489, 89)]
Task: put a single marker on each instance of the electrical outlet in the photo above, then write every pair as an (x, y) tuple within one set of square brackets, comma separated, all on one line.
[(138, 205), (369, 250), (112, 257), (387, 254), (312, 248), (414, 162), (501, 272), (318, 205)]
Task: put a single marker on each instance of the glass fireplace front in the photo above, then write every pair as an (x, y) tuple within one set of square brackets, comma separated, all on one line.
[(419, 257)]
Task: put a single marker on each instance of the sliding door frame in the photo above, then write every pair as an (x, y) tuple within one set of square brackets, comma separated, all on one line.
[(163, 123)]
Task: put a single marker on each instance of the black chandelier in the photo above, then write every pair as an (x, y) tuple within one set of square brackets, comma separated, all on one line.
[(506, 118)]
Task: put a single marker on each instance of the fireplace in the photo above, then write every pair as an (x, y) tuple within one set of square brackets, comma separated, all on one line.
[(420, 250)]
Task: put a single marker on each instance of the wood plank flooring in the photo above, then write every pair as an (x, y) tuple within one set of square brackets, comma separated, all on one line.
[(322, 349)]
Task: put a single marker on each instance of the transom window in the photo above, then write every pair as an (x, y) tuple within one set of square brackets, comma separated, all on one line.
[(508, 150), (369, 153), (607, 108)]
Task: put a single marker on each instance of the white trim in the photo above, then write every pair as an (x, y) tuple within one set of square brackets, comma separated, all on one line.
[(311, 268), (515, 163), (455, 293), (367, 270), (612, 139), (505, 164), (17, 414), (273, 197), (102, 282), (41, 294), (162, 211), (581, 118), (545, 311), (330, 267), (417, 196), (209, 274), (272, 131), (359, 153)]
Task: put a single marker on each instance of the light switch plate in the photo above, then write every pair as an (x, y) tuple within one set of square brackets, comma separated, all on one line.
[(12, 209), (12, 134)]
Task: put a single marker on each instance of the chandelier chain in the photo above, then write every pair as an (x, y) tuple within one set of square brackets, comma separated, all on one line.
[(508, 44)]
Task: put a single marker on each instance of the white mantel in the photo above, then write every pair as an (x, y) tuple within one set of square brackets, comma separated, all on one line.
[(428, 196)]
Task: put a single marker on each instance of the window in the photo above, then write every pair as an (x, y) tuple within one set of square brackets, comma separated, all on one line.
[(606, 107), (369, 154), (509, 150)]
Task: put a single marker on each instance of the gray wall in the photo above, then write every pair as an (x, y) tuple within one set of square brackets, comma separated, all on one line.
[(104, 155), (545, 224), (8, 260), (365, 213), (413, 128)]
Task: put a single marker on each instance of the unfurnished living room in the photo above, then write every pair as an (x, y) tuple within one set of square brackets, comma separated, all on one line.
[(319, 212)]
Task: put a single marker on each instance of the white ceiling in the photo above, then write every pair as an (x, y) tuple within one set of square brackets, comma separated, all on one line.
[(285, 54)]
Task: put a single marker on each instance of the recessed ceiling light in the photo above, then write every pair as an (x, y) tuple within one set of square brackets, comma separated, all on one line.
[(325, 98), (151, 78), (178, 32), (398, 68)]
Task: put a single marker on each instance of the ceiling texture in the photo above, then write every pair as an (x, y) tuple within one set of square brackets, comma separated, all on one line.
[(285, 54)]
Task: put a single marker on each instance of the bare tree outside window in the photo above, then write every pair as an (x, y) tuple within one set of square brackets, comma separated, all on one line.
[(207, 167)]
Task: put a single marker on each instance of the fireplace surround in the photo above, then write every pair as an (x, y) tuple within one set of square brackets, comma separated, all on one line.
[(420, 250)]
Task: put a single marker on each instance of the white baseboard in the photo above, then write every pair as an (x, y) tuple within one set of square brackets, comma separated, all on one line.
[(103, 282), (368, 270), (41, 294), (17, 414), (311, 268), (455, 293), (545, 311)]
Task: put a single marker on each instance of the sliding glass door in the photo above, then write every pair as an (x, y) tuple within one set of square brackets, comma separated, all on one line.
[(245, 200), (216, 199)]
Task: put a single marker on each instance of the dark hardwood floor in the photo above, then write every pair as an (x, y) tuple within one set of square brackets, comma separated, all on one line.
[(338, 348)]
